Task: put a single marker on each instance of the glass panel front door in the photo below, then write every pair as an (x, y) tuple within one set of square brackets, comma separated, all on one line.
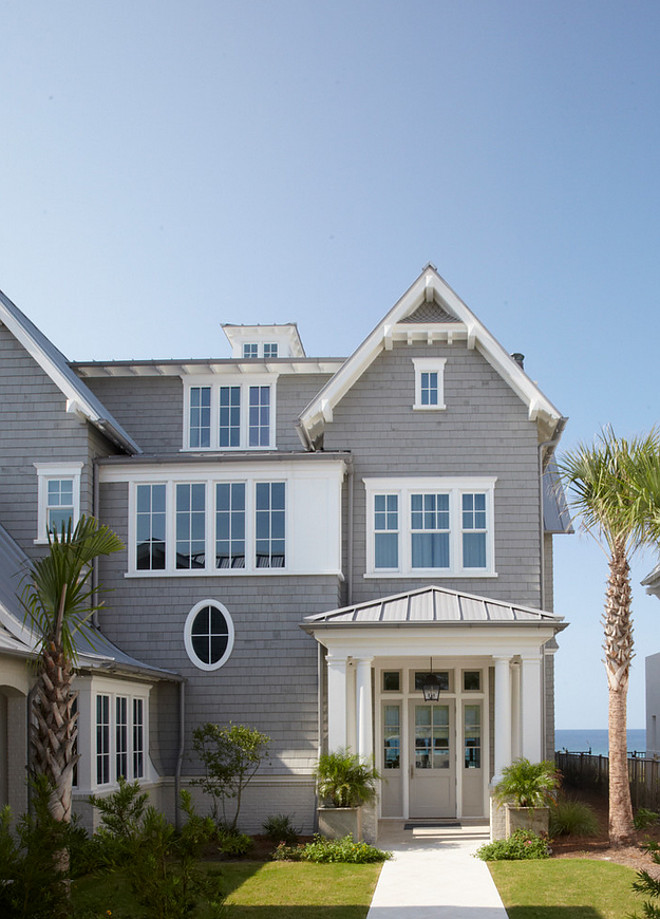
[(433, 769)]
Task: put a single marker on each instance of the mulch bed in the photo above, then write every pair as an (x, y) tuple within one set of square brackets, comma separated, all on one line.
[(598, 847)]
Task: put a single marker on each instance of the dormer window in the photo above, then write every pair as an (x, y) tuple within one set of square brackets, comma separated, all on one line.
[(250, 349), (235, 415), (270, 349)]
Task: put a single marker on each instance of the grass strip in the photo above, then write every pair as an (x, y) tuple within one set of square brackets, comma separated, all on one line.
[(567, 888), (254, 890)]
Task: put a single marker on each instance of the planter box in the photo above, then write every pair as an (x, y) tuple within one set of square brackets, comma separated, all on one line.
[(536, 819), (337, 822)]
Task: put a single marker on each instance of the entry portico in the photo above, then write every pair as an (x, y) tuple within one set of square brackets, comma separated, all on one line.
[(490, 658)]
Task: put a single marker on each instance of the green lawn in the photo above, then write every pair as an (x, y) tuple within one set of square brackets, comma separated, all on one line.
[(254, 890), (566, 888)]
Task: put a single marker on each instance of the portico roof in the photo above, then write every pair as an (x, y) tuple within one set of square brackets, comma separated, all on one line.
[(432, 606)]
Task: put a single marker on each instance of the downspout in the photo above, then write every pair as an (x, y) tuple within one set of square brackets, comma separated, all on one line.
[(179, 756), (349, 540), (550, 445), (95, 563)]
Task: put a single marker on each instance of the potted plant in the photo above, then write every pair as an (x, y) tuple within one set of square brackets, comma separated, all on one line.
[(527, 790), (345, 784)]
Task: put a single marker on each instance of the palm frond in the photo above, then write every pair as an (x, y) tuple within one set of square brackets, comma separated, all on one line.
[(61, 581)]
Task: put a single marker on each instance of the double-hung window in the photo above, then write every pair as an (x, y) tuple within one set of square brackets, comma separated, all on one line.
[(232, 415), (430, 526), (429, 383), (58, 497), (208, 526)]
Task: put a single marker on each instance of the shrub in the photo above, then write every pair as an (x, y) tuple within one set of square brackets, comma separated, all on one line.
[(644, 818), (572, 818), (344, 780), (234, 845), (528, 784), (122, 812), (32, 880), (521, 844), (646, 884), (279, 828), (231, 756), (332, 850)]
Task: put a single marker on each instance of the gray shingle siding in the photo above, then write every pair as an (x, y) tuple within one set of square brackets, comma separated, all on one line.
[(149, 408), (34, 423), (483, 431)]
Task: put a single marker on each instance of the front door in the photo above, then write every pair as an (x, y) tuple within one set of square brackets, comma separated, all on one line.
[(433, 760)]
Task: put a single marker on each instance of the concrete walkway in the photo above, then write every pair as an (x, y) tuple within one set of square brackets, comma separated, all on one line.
[(433, 874)]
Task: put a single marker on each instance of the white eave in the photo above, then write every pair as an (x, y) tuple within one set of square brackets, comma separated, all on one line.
[(460, 325), (79, 399)]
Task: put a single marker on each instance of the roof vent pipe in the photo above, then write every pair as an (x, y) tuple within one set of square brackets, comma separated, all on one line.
[(519, 359)]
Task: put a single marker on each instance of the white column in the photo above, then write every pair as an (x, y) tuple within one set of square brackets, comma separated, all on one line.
[(532, 721), (516, 724), (364, 709), (502, 715), (336, 703)]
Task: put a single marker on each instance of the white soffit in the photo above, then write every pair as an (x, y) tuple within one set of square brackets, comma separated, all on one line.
[(463, 325)]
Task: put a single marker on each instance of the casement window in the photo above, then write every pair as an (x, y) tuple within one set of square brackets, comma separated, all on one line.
[(120, 737), (58, 489), (208, 635), (430, 527), (236, 415), (208, 526), (429, 383)]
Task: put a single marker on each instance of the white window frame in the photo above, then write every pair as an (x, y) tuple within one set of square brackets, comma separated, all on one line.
[(456, 487), (48, 472), (244, 382), (187, 635), (88, 689), (429, 365), (231, 476)]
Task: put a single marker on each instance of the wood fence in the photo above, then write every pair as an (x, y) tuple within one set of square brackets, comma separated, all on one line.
[(584, 770)]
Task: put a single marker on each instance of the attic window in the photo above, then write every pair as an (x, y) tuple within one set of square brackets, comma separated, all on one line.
[(250, 349), (429, 383), (270, 349)]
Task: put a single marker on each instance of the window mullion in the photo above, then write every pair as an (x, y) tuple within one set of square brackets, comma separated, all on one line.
[(170, 526)]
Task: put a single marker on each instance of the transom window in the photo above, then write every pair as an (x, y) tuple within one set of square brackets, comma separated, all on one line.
[(231, 416), (430, 526), (209, 526), (209, 635)]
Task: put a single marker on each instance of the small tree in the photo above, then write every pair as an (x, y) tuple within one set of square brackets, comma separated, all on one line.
[(231, 756)]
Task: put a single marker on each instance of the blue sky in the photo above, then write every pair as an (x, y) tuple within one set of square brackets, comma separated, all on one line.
[(168, 166)]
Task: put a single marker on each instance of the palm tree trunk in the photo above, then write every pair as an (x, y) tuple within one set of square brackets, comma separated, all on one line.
[(618, 647)]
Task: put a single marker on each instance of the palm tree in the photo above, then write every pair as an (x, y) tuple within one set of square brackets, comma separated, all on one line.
[(58, 598), (615, 487)]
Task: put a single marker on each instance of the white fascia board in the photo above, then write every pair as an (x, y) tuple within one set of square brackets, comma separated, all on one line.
[(312, 418), (242, 468), (459, 641)]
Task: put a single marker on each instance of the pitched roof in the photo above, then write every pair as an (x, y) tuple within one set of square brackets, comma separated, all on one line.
[(429, 311), (80, 399), (94, 650), (431, 606)]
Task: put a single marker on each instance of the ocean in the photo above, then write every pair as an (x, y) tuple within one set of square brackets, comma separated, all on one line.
[(595, 741)]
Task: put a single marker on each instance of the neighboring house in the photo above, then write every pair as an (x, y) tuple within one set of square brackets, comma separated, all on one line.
[(306, 539), (652, 662)]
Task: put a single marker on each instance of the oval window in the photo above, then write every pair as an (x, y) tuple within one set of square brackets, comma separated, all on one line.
[(209, 635)]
